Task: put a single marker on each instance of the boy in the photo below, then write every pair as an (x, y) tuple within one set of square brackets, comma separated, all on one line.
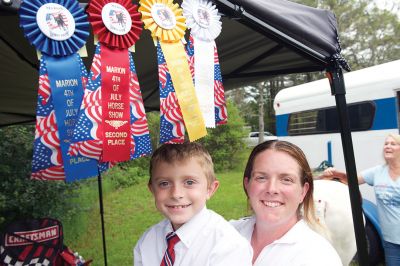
[(182, 180)]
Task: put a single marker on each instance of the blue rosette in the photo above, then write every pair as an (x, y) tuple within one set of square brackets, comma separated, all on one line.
[(54, 30)]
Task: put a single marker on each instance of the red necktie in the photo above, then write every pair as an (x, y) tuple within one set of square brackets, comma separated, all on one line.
[(169, 256)]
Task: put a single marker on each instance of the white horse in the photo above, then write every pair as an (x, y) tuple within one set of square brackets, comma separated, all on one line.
[(333, 209)]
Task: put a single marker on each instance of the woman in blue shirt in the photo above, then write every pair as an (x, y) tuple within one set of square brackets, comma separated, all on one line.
[(386, 182)]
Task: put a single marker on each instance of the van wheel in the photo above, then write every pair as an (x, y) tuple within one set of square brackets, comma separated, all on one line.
[(375, 250), (374, 245)]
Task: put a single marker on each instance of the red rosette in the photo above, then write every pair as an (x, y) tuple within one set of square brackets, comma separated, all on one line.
[(105, 35)]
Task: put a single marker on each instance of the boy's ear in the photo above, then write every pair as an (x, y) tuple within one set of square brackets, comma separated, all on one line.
[(212, 188), (150, 187)]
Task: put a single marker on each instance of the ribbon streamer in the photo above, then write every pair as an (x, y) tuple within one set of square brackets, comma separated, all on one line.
[(112, 122), (58, 29), (50, 158), (172, 126), (88, 135), (167, 25), (221, 112)]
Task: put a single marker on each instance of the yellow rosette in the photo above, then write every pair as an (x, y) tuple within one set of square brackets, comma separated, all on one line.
[(166, 23)]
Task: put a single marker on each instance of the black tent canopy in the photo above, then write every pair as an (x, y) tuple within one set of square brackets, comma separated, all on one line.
[(259, 39)]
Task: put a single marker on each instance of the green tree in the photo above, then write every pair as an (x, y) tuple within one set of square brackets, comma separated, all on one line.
[(369, 35), (251, 102), (21, 197), (225, 142)]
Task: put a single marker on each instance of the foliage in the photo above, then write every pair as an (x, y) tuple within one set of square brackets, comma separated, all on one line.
[(21, 197), (128, 173), (153, 119), (225, 142), (248, 101), (368, 34)]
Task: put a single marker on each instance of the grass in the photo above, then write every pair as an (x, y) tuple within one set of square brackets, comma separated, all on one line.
[(129, 212)]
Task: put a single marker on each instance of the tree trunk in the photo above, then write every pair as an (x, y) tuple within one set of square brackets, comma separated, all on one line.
[(260, 87)]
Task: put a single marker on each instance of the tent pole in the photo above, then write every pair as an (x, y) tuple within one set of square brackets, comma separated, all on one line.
[(102, 217), (336, 79)]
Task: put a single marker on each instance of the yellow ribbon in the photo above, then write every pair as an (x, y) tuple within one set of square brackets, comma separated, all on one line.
[(169, 36)]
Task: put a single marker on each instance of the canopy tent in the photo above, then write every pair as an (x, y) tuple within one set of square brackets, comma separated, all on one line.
[(259, 39)]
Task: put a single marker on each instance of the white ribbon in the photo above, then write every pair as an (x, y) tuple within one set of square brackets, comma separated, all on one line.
[(203, 19), (204, 79)]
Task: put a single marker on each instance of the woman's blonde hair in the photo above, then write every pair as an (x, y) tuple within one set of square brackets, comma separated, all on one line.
[(396, 137)]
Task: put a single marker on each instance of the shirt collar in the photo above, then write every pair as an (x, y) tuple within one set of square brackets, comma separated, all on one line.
[(248, 229), (294, 234), (188, 231)]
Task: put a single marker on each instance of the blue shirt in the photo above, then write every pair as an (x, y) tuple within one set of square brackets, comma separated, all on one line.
[(387, 194)]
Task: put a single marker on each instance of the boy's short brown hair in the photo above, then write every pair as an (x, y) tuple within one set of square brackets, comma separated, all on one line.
[(172, 153)]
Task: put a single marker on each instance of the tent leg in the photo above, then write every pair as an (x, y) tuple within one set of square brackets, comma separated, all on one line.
[(336, 80), (102, 217)]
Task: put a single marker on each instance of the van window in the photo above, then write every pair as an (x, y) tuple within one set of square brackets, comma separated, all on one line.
[(325, 120)]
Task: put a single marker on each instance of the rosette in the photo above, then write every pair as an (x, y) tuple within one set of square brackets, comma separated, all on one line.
[(56, 28), (112, 123), (116, 23), (203, 19), (164, 19), (167, 26)]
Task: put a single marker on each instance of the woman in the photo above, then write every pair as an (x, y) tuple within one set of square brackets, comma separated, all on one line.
[(278, 182), (386, 182)]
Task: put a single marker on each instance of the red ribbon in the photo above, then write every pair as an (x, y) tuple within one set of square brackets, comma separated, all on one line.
[(115, 104)]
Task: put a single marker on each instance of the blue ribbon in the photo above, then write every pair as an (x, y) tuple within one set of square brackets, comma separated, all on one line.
[(67, 93), (27, 17)]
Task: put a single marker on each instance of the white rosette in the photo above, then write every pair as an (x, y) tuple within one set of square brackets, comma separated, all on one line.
[(203, 20)]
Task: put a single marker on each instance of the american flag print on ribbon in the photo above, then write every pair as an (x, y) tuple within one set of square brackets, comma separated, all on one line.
[(221, 114), (88, 134), (47, 162), (172, 126), (190, 55)]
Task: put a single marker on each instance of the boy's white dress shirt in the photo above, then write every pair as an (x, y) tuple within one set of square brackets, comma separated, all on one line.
[(206, 240), (300, 246)]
